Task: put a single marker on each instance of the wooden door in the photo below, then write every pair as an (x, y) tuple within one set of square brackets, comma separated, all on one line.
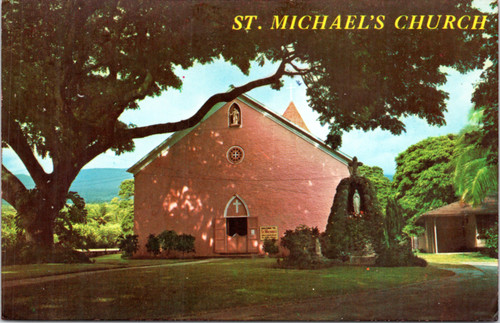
[(253, 235), (220, 235), (237, 244)]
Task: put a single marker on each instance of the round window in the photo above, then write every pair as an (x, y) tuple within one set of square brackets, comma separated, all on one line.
[(235, 155)]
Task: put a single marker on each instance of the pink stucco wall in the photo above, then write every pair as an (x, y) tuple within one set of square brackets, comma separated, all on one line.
[(284, 180)]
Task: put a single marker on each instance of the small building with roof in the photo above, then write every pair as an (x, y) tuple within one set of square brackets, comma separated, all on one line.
[(242, 175), (457, 227)]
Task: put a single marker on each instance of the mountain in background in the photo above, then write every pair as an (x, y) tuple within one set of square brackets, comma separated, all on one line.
[(94, 185)]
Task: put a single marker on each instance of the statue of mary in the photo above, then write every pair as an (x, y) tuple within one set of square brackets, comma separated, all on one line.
[(356, 202)]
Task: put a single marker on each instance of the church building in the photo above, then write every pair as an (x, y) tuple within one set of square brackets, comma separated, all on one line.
[(242, 175)]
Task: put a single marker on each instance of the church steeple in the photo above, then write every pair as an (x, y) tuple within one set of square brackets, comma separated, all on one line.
[(292, 114)]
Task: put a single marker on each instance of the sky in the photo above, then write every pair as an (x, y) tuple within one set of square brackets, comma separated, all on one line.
[(373, 148)]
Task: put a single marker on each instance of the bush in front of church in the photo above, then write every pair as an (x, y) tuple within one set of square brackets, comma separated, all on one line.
[(168, 241), (153, 245), (128, 244), (185, 243), (301, 244), (270, 246)]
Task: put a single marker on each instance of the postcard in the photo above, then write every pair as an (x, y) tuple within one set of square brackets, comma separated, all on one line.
[(322, 160)]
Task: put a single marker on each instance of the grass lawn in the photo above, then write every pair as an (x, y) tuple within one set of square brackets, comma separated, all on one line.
[(102, 262), (166, 292), (456, 258)]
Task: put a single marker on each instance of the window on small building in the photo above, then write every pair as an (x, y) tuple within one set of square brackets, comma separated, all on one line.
[(234, 116), (236, 226)]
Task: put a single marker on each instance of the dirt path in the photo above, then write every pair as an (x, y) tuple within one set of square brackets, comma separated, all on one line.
[(37, 280), (469, 295)]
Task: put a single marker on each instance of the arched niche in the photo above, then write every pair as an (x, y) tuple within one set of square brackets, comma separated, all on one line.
[(234, 116)]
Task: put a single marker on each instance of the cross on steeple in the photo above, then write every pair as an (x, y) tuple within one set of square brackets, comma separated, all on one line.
[(353, 166)]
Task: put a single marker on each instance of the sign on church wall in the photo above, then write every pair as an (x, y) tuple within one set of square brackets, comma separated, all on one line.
[(269, 232)]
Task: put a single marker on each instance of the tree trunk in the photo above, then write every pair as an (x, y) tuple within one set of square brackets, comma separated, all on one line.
[(37, 217), (38, 209)]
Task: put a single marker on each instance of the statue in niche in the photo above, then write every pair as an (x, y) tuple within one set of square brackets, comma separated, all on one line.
[(234, 117), (356, 202)]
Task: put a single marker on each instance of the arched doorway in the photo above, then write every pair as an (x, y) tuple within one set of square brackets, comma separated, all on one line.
[(236, 214), (236, 232)]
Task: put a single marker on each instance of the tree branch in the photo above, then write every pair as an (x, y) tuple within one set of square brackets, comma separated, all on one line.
[(12, 187), (14, 137), (142, 132)]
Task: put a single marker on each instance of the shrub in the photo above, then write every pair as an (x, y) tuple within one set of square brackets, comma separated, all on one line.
[(153, 244), (97, 235), (128, 244), (491, 236), (168, 240), (270, 246), (301, 243), (72, 213), (22, 252), (399, 255), (10, 232), (185, 243), (396, 251)]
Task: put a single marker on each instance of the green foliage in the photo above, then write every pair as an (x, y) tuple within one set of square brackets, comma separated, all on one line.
[(393, 221), (185, 243), (301, 244), (23, 252), (126, 205), (424, 179), (485, 97), (72, 214), (153, 245), (381, 183), (491, 236), (398, 255), (168, 240), (10, 232), (270, 246), (347, 234), (475, 164), (396, 250), (126, 191), (128, 244), (99, 235)]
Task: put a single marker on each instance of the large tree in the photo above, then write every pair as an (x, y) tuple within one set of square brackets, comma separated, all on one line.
[(70, 68), (424, 175)]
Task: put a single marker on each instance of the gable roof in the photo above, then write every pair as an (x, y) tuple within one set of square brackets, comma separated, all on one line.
[(254, 104), (488, 207), (292, 114)]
